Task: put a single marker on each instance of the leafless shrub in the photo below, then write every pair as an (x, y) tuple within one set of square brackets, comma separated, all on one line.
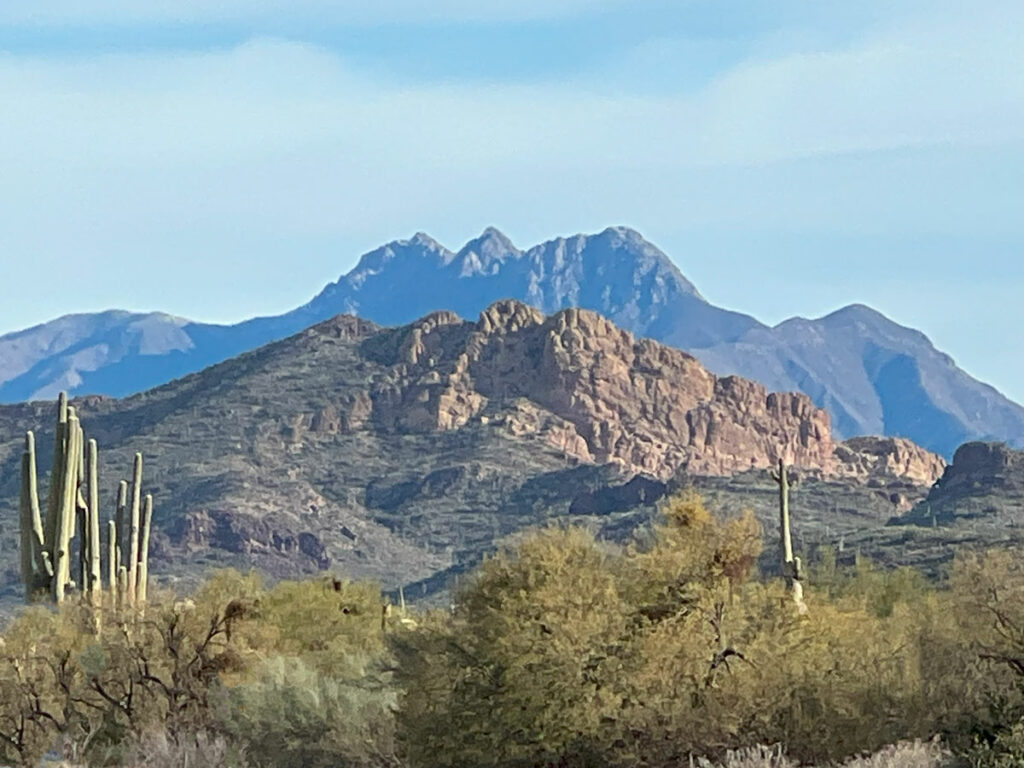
[(200, 750), (752, 757), (915, 754), (903, 755)]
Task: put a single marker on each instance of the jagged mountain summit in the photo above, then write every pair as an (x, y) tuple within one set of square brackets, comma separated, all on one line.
[(873, 376), (396, 453)]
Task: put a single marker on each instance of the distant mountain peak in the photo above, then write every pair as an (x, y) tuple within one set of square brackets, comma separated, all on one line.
[(485, 254), (424, 240), (873, 375), (856, 311)]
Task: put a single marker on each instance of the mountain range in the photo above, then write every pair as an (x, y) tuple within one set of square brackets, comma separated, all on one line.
[(402, 453), (872, 376)]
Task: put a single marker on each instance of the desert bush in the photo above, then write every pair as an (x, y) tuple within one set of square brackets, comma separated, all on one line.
[(917, 754), (196, 750), (291, 714), (562, 652), (522, 673), (334, 627), (751, 757)]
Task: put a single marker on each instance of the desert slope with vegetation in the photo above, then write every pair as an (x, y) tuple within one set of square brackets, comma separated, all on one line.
[(560, 650), (400, 454)]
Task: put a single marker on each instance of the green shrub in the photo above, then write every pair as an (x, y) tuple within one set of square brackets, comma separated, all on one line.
[(291, 714)]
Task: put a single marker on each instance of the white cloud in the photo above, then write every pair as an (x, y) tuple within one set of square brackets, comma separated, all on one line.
[(73, 12)]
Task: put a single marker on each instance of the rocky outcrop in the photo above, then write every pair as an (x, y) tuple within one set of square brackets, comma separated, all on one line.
[(593, 391), (247, 535), (882, 458), (984, 485), (983, 466)]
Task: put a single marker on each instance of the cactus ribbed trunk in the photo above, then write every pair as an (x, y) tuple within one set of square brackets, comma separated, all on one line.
[(133, 531), (147, 519), (122, 507), (122, 586), (112, 556), (792, 569), (784, 533), (94, 548), (47, 562), (65, 521), (28, 577), (56, 472)]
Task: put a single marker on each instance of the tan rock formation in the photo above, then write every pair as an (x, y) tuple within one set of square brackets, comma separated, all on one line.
[(647, 406), (865, 458)]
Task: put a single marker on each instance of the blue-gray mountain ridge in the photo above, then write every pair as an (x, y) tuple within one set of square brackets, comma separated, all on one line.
[(872, 375)]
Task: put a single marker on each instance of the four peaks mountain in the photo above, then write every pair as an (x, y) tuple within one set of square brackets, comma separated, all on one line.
[(870, 374)]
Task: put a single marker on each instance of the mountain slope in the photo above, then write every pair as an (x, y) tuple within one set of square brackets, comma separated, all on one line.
[(872, 375), (398, 453)]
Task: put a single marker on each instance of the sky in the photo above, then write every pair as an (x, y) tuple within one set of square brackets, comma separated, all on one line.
[(224, 160)]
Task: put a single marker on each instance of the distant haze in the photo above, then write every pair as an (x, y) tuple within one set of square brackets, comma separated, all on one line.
[(219, 161)]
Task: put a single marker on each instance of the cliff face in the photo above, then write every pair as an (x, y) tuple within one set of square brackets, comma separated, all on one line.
[(982, 488), (983, 465), (866, 458), (608, 396)]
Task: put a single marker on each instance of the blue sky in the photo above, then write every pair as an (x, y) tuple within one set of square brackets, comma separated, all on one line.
[(791, 157)]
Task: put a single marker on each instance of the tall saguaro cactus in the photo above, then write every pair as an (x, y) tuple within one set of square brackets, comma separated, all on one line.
[(792, 569), (73, 502)]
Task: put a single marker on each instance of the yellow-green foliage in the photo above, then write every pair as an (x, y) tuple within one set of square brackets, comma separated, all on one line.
[(188, 665), (566, 652), (335, 631), (561, 651), (291, 714)]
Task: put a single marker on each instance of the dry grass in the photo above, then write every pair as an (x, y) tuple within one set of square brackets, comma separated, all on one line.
[(202, 750), (904, 755)]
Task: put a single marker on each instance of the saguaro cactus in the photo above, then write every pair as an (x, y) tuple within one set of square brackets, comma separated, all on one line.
[(73, 502), (143, 576), (792, 569)]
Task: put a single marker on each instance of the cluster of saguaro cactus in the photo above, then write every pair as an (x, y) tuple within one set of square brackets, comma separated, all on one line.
[(792, 568), (72, 511)]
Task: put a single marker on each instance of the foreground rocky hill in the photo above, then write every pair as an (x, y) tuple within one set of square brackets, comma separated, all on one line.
[(403, 453), (870, 374), (983, 487)]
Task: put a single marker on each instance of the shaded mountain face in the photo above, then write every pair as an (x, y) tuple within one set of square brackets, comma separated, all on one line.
[(871, 375), (400, 453), (874, 377), (982, 489)]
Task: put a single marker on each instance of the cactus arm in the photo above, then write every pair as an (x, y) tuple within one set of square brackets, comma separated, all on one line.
[(80, 513), (82, 572), (95, 570), (122, 585), (112, 555), (133, 532), (43, 567), (56, 475), (65, 513), (147, 521), (122, 507), (25, 525)]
